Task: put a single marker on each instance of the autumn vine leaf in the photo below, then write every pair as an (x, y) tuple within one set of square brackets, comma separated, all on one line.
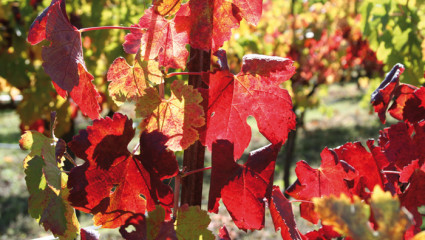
[(330, 178), (37, 31), (250, 10), (138, 222), (282, 215), (89, 234), (381, 97), (192, 223), (44, 147), (52, 210), (194, 18), (255, 91), (351, 217), (128, 83), (402, 143), (158, 39), (176, 117), (64, 62), (113, 184), (166, 7), (364, 162), (46, 183), (409, 103), (412, 198), (223, 234), (242, 185)]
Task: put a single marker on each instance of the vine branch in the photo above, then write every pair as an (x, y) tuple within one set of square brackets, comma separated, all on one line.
[(106, 27), (184, 73), (184, 174)]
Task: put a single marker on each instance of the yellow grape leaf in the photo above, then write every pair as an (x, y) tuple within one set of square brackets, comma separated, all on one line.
[(419, 236), (176, 117), (392, 221), (129, 82), (167, 7), (351, 217)]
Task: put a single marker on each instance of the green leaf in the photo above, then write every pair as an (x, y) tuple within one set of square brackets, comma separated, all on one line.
[(52, 210), (44, 147), (192, 223)]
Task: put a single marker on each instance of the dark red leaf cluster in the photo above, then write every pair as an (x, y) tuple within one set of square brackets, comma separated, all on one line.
[(63, 58), (396, 164), (113, 184)]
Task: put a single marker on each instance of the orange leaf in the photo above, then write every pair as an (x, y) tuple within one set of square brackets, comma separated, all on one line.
[(176, 117), (129, 82)]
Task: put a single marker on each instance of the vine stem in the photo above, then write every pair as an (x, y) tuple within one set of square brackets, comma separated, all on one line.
[(391, 172), (196, 171), (301, 201), (67, 156), (184, 73), (106, 27), (177, 182), (135, 149)]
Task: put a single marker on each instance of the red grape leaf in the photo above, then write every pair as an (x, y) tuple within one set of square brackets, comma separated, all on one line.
[(161, 40), (129, 82), (364, 162), (255, 91), (379, 156), (192, 223), (408, 170), (37, 31), (64, 63), (250, 9), (381, 97), (65, 52), (307, 212), (132, 41), (400, 147), (166, 7), (208, 23), (242, 185), (85, 94), (113, 184), (89, 234), (223, 234), (409, 104), (175, 117), (282, 215), (324, 233), (329, 178), (138, 221), (413, 196)]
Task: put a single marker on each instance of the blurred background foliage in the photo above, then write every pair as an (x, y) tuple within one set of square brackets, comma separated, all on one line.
[(341, 50)]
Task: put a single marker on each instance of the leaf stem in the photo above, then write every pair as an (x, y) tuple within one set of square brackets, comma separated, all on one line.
[(184, 174), (135, 149), (301, 201), (391, 172), (184, 73), (177, 182), (106, 27), (67, 156)]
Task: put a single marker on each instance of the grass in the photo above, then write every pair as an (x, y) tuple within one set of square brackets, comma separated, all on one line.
[(340, 120)]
